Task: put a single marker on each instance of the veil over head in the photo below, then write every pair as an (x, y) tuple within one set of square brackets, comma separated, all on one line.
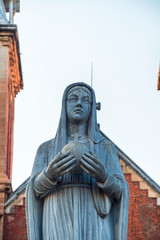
[(107, 154), (93, 131)]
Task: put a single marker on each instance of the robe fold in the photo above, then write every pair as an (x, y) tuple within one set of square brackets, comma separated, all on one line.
[(76, 207)]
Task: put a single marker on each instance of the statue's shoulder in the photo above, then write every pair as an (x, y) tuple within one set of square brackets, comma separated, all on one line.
[(107, 143), (41, 158), (45, 146)]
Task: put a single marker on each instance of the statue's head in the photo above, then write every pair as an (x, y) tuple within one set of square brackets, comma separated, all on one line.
[(78, 105)]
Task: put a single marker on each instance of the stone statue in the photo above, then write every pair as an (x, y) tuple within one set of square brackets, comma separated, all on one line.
[(77, 190), (3, 17)]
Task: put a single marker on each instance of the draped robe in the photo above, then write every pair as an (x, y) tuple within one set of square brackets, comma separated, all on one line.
[(76, 206)]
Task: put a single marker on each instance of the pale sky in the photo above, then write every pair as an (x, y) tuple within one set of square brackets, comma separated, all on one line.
[(58, 41)]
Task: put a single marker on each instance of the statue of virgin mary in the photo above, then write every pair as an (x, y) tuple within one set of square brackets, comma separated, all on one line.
[(77, 190)]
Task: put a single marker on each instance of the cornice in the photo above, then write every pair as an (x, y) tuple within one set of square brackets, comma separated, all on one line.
[(9, 38)]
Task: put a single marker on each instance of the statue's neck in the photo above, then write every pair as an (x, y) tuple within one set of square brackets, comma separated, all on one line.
[(77, 132)]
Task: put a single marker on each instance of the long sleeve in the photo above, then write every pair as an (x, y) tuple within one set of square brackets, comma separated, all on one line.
[(114, 183), (113, 187), (42, 185)]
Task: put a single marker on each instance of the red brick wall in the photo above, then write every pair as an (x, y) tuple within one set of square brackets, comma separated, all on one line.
[(143, 221), (144, 214), (10, 85), (15, 224)]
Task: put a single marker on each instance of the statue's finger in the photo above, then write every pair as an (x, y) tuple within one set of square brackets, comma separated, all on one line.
[(67, 165), (86, 170), (90, 161), (87, 166), (68, 169), (92, 157), (55, 159), (63, 161), (61, 156)]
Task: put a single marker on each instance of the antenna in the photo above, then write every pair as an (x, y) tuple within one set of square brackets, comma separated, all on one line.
[(158, 84), (91, 73)]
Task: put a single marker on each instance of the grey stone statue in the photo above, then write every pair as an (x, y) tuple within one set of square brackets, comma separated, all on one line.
[(77, 190), (3, 17)]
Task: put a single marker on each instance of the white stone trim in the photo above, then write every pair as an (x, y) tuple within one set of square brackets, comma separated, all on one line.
[(143, 185)]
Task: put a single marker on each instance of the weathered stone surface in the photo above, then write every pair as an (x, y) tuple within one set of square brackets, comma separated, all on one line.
[(84, 189), (3, 18)]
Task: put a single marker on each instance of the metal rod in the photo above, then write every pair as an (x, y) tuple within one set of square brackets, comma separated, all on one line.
[(11, 11), (91, 73), (158, 84)]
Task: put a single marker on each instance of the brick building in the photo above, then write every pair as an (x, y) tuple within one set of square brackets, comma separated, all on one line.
[(144, 201), (10, 84)]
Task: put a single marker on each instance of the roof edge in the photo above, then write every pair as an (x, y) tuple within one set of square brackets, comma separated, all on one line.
[(133, 165), (17, 192)]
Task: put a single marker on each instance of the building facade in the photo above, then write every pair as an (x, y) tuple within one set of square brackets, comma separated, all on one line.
[(144, 200)]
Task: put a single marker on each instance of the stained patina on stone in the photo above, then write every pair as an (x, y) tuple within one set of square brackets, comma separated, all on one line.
[(77, 189)]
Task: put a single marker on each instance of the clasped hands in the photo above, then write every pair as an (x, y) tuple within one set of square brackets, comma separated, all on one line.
[(65, 162)]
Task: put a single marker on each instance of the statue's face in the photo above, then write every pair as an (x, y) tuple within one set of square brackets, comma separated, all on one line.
[(78, 106)]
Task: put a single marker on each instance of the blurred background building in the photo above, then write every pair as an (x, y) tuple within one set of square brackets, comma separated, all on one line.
[(144, 203)]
